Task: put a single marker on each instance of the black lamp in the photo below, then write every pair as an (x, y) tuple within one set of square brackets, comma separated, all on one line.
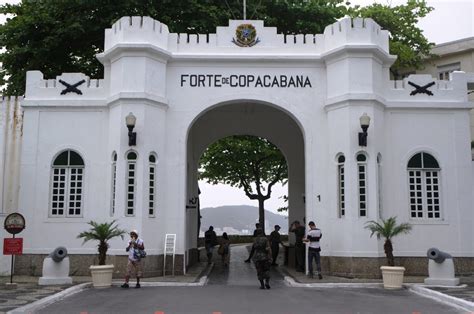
[(364, 124), (130, 120)]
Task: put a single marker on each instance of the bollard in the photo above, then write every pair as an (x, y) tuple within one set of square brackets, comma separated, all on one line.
[(440, 268), (58, 254), (56, 268)]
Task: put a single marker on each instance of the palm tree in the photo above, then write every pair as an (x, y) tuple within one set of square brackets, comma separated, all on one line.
[(388, 229), (102, 232)]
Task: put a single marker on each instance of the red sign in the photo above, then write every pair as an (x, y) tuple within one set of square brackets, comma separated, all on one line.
[(12, 246)]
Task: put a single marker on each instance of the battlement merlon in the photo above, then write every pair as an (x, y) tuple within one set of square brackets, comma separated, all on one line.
[(356, 31), (421, 88), (147, 32), (67, 86), (137, 30)]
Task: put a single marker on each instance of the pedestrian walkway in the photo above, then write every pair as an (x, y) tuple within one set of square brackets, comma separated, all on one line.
[(239, 273), (28, 290), (234, 289)]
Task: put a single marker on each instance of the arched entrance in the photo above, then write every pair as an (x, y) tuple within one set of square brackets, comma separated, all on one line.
[(244, 117)]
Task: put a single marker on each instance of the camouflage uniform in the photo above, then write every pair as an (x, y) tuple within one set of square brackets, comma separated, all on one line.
[(262, 260)]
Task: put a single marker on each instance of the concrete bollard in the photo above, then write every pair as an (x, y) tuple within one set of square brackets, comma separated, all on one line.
[(56, 268), (440, 269)]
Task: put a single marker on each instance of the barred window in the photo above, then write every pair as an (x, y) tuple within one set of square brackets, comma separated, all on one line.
[(151, 184), (131, 183), (362, 179), (424, 187), (67, 177), (114, 183), (379, 183), (340, 186)]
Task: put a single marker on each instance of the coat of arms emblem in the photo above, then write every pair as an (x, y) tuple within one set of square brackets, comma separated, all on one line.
[(245, 36)]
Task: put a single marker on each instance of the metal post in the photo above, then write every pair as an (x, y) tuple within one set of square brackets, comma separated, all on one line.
[(245, 9), (11, 270)]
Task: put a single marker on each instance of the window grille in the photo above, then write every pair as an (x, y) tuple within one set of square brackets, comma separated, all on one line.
[(114, 184), (424, 187), (67, 178), (362, 179), (151, 185), (131, 183), (340, 186)]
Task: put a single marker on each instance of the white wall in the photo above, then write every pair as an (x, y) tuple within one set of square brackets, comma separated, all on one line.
[(347, 68)]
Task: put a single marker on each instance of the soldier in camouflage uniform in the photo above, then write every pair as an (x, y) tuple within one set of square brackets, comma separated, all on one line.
[(262, 258)]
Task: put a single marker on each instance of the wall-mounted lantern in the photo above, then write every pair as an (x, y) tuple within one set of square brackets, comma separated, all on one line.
[(364, 124), (130, 120)]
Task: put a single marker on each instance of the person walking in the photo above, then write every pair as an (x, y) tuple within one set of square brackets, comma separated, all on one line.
[(252, 251), (224, 249), (314, 249), (135, 249), (275, 241), (210, 240), (262, 258), (299, 231)]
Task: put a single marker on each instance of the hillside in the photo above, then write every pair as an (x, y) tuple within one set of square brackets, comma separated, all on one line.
[(239, 217)]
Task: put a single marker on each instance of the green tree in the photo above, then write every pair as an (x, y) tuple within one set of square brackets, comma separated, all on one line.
[(248, 162), (64, 36), (406, 38), (388, 229), (102, 232)]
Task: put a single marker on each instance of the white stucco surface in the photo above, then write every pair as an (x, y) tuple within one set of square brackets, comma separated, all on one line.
[(187, 91)]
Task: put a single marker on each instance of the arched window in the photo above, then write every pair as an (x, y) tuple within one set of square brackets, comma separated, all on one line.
[(151, 184), (67, 178), (341, 206), (114, 183), (362, 179), (131, 182), (379, 183), (424, 186)]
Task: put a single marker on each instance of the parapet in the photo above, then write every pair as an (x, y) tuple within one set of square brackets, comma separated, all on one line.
[(426, 90), (356, 31), (65, 86), (136, 30)]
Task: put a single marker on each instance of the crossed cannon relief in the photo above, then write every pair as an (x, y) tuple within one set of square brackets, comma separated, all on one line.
[(421, 89), (71, 88)]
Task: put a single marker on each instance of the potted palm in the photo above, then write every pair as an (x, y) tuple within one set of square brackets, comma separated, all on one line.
[(102, 232), (391, 274)]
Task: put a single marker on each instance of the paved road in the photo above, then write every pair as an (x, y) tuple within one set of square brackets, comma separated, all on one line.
[(235, 290)]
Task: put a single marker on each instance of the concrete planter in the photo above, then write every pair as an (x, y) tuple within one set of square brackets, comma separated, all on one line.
[(392, 276), (102, 275)]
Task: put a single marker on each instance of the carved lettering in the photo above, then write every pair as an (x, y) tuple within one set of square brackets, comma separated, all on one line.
[(245, 80)]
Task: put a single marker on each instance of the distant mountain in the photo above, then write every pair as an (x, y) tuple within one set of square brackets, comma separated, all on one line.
[(239, 219)]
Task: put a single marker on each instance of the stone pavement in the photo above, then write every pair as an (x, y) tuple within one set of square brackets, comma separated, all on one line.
[(239, 273), (29, 291)]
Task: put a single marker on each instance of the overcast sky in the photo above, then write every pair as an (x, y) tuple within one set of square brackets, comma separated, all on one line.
[(451, 20)]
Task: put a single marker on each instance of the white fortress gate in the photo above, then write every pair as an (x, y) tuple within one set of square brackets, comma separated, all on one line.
[(67, 160)]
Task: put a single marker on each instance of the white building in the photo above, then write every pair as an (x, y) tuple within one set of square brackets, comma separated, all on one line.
[(68, 161)]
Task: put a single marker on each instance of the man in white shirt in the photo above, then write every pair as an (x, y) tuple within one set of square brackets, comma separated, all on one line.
[(313, 236)]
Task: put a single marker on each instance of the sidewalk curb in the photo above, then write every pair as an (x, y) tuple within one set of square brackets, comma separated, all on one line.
[(32, 307), (293, 283), (441, 297)]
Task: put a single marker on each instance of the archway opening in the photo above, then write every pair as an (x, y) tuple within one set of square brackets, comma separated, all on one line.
[(253, 119), (245, 177)]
